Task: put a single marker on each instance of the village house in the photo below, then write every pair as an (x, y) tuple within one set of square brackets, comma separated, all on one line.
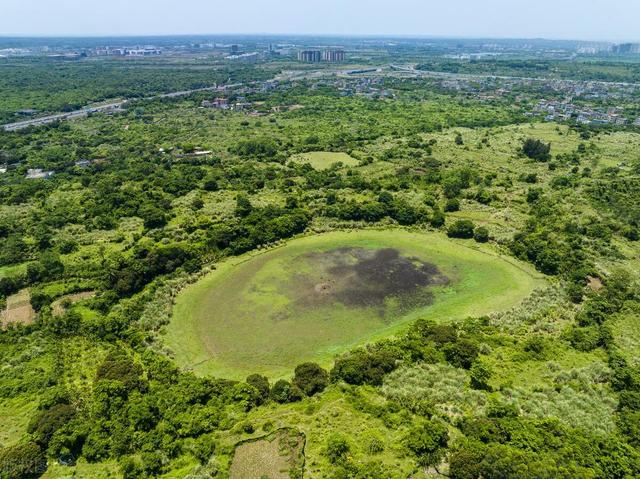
[(38, 173), (218, 103)]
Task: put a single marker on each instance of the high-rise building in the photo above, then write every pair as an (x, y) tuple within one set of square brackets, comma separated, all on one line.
[(333, 55), (627, 49), (309, 56)]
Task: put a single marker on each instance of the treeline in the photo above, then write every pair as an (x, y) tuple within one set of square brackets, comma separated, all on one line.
[(60, 86)]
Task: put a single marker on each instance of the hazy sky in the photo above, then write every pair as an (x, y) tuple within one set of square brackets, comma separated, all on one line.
[(558, 19)]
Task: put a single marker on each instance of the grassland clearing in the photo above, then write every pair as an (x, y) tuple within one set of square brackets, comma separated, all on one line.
[(18, 309), (322, 160), (277, 456), (321, 295), (59, 306)]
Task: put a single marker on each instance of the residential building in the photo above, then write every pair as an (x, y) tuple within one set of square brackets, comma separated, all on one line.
[(333, 55), (310, 56), (245, 57), (627, 49), (144, 52), (219, 103), (38, 173)]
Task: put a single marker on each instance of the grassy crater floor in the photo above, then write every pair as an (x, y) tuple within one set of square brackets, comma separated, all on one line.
[(319, 296)]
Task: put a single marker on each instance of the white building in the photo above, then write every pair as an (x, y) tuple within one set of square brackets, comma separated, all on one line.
[(38, 173)]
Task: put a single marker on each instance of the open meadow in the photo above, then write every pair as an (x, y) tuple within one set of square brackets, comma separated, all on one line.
[(321, 295)]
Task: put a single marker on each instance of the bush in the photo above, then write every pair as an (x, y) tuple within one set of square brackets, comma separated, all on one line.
[(461, 229), (586, 338), (631, 233), (261, 383), (428, 441), (536, 346), (452, 205), (243, 206), (363, 367), (484, 197), (431, 331), (481, 234), (310, 378), (118, 367), (46, 423), (375, 445), (283, 392), (480, 375), (461, 354), (22, 461), (536, 150), (337, 448), (437, 218)]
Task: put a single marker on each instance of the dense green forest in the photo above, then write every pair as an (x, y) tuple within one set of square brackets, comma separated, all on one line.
[(145, 202)]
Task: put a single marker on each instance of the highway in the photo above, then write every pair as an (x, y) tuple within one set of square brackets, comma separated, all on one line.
[(112, 106)]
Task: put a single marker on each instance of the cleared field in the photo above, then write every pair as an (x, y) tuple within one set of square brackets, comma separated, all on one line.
[(13, 270), (59, 306), (278, 456), (321, 295), (322, 160), (18, 309)]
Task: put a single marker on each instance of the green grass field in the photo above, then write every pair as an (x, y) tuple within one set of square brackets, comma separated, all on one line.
[(260, 313), (322, 160)]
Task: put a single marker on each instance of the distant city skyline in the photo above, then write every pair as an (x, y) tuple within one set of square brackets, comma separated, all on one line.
[(595, 20)]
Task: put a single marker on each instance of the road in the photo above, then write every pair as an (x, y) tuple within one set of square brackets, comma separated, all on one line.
[(112, 106)]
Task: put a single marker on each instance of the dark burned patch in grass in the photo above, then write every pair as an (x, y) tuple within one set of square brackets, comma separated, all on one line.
[(358, 277)]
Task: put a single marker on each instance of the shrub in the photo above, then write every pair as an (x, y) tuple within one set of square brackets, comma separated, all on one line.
[(461, 229), (461, 354), (437, 218), (444, 386), (585, 339), (375, 445), (46, 423), (22, 461), (310, 378), (484, 197), (438, 333), (243, 206), (536, 346), (631, 233), (261, 383), (337, 448), (480, 375), (452, 204), (363, 367), (536, 150), (481, 234), (283, 392), (428, 441), (118, 367)]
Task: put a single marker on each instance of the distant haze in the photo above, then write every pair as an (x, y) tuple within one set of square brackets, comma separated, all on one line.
[(557, 19)]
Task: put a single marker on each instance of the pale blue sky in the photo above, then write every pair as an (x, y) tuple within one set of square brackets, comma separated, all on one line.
[(558, 19)]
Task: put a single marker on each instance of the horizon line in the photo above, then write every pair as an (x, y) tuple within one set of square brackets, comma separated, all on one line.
[(328, 35)]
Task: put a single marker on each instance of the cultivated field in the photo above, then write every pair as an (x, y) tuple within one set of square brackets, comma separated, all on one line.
[(321, 295)]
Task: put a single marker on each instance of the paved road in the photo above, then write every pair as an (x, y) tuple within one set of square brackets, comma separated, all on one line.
[(112, 106), (410, 69)]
